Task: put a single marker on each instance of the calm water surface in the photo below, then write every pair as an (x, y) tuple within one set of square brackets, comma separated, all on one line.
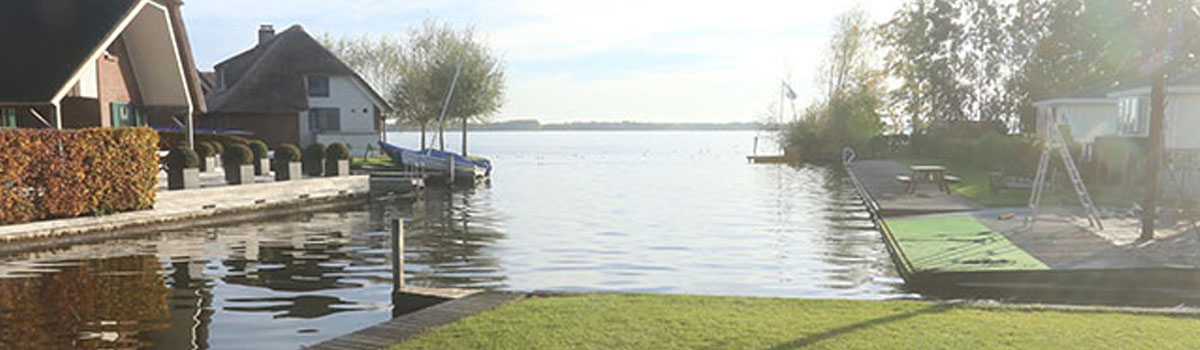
[(659, 212)]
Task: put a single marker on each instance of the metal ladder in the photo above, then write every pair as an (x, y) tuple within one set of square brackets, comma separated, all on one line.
[(1056, 142)]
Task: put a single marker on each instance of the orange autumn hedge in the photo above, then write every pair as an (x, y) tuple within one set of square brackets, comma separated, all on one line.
[(49, 174)]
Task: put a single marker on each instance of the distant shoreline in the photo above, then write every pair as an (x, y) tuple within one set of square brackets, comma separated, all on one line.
[(533, 125)]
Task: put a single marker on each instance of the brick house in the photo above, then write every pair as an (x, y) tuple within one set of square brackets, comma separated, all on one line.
[(93, 63), (289, 88)]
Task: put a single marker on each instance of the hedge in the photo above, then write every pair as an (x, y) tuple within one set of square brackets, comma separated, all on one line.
[(49, 174), (313, 159), (168, 139)]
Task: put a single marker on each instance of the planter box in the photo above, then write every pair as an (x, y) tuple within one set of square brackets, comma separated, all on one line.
[(208, 164), (288, 172), (262, 166), (237, 175), (217, 159), (182, 179), (337, 168)]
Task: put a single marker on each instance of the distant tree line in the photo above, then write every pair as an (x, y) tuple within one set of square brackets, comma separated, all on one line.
[(535, 125)]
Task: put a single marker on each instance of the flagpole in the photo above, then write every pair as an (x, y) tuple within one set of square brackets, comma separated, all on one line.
[(782, 95)]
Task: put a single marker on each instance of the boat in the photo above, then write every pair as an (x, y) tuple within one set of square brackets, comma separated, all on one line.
[(437, 162)]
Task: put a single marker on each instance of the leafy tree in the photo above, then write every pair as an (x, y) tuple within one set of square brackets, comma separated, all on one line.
[(415, 74), (428, 66), (848, 113)]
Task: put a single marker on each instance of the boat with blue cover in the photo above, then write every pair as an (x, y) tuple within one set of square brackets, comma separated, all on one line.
[(437, 162)]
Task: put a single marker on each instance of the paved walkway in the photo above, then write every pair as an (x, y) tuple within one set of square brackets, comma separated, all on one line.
[(399, 329), (190, 207)]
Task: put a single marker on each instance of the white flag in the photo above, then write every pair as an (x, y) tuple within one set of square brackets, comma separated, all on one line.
[(791, 95)]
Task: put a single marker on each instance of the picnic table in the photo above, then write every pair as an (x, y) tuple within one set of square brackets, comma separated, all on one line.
[(934, 174)]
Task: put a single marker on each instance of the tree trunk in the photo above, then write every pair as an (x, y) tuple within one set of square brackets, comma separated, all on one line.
[(464, 137), (1158, 98), (422, 135)]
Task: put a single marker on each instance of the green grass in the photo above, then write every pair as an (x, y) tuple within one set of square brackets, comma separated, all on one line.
[(976, 186), (612, 321), (958, 243)]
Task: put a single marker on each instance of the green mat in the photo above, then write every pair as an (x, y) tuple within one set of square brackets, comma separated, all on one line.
[(958, 243)]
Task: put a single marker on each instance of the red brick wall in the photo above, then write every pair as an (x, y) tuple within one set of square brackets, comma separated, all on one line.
[(272, 128), (116, 82)]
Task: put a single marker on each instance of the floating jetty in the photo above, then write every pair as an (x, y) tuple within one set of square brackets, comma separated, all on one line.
[(945, 245)]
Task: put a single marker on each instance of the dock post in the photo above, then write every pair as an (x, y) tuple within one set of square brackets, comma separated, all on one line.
[(452, 170), (397, 255)]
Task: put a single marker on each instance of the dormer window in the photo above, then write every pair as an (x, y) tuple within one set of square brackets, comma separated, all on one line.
[(318, 85)]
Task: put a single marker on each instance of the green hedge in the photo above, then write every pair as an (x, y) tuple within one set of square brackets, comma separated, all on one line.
[(168, 139), (48, 174), (313, 159)]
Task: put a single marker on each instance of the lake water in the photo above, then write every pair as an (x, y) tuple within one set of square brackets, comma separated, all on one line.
[(657, 212)]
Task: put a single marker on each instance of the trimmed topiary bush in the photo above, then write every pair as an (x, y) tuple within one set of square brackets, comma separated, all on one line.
[(287, 153), (313, 159), (217, 147), (337, 151), (237, 155), (205, 150), (182, 157), (259, 149)]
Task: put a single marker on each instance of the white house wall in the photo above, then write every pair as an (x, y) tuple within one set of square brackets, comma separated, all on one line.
[(1086, 120), (1182, 122), (88, 81), (357, 115), (1089, 121)]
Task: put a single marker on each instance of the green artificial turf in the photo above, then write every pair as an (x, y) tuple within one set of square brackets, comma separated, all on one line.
[(958, 243), (614, 321)]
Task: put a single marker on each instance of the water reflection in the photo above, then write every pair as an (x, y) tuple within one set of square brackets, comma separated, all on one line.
[(202, 288), (585, 214)]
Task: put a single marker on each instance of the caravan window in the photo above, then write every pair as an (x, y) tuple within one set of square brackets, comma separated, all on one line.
[(1134, 112)]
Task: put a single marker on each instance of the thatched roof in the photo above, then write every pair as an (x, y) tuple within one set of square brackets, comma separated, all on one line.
[(45, 42), (269, 78)]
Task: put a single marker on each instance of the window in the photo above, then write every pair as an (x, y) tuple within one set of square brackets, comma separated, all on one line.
[(125, 114), (8, 118), (1134, 113), (318, 85), (324, 119)]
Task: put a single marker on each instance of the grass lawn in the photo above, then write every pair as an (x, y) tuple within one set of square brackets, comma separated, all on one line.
[(958, 243), (614, 321), (975, 186)]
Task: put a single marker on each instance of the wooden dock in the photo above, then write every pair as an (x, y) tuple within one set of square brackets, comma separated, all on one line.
[(947, 246), (399, 329), (878, 177)]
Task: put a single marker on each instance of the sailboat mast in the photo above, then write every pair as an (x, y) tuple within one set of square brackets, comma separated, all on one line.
[(446, 105)]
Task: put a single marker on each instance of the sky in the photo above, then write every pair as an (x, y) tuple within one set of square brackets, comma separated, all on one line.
[(605, 60)]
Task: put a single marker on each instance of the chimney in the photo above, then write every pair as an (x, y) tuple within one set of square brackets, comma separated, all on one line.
[(266, 32)]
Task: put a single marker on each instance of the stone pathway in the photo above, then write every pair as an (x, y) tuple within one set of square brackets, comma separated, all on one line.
[(178, 209)]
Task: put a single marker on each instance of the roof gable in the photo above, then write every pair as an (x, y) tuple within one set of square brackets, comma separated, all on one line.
[(53, 39), (269, 78)]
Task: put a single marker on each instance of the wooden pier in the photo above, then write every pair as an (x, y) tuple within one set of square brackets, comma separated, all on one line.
[(947, 246)]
